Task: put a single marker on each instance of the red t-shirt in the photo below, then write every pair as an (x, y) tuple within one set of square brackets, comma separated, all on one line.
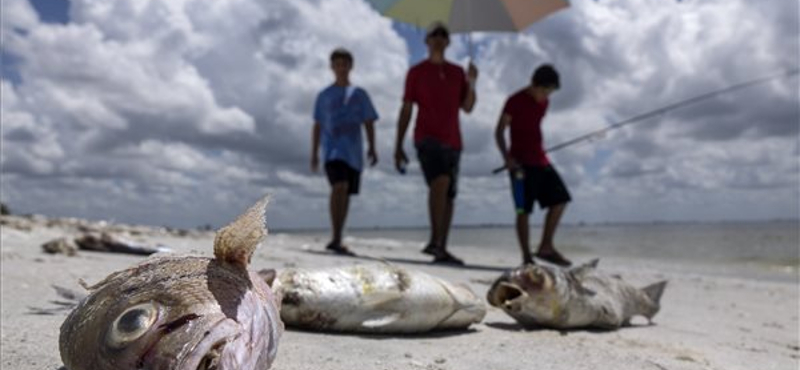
[(526, 128), (438, 90)]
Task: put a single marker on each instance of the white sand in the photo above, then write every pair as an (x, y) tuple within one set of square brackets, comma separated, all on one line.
[(706, 321)]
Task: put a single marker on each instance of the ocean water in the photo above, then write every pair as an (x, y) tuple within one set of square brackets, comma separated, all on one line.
[(766, 250)]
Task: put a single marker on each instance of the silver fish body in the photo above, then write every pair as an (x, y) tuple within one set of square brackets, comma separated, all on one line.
[(181, 313), (375, 298), (538, 295)]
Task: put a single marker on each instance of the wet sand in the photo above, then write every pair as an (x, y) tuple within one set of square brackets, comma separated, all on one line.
[(706, 321)]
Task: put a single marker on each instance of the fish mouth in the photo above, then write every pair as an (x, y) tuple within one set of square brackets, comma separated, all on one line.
[(507, 292), (207, 353), (211, 359), (503, 291)]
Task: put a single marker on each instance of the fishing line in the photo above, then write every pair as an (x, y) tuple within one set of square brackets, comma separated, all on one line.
[(678, 105)]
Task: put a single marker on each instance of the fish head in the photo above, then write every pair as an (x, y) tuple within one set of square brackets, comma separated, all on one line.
[(183, 319), (530, 290)]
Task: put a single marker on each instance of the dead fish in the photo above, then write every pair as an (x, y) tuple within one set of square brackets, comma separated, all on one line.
[(553, 297), (61, 246), (106, 242), (375, 298), (181, 313)]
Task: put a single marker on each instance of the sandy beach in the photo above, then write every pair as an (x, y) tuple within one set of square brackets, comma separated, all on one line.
[(706, 321)]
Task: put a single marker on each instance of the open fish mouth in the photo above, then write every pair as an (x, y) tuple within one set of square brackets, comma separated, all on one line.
[(211, 361), (207, 353), (503, 291), (507, 292)]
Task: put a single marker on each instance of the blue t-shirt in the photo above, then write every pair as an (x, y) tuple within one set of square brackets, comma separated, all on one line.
[(340, 111)]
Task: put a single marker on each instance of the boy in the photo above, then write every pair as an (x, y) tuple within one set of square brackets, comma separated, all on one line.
[(440, 89), (340, 111), (533, 178)]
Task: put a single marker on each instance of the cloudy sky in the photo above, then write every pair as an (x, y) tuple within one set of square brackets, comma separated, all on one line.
[(183, 112)]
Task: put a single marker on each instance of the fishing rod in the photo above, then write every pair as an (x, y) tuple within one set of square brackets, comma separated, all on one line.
[(680, 104)]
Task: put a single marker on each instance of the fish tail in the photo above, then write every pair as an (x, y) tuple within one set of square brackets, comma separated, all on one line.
[(467, 307), (236, 242), (654, 293)]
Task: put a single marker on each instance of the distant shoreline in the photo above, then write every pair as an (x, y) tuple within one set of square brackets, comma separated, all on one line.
[(274, 229), (565, 224)]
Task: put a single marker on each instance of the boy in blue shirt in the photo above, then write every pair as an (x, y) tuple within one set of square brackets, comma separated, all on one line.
[(340, 111)]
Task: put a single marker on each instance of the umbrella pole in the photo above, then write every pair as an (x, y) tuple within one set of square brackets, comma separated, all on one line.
[(470, 47)]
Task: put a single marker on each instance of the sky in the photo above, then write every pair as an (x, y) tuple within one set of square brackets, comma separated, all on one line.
[(184, 112)]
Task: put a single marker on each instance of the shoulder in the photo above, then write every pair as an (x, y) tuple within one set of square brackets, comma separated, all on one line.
[(516, 97), (515, 101), (417, 68), (360, 92), (326, 91), (454, 67)]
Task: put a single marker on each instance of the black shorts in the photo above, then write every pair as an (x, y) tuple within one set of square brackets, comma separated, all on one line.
[(340, 171), (538, 184), (436, 160)]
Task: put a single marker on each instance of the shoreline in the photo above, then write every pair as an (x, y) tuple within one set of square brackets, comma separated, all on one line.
[(534, 223)]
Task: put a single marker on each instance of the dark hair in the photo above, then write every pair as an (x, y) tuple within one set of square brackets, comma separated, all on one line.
[(546, 76), (438, 31), (341, 53)]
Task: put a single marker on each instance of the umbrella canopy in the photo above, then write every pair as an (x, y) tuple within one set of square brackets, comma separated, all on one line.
[(470, 15)]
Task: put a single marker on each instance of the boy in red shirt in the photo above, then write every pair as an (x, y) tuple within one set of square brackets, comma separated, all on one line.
[(533, 178), (440, 89)]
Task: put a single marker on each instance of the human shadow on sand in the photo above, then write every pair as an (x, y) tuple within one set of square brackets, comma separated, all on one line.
[(519, 327), (409, 261), (394, 336)]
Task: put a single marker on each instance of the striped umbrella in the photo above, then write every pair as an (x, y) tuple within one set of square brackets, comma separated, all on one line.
[(470, 15)]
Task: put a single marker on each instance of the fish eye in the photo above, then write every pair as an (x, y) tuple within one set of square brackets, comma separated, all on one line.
[(132, 324)]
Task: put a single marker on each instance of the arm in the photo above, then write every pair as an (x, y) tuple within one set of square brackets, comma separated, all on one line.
[(470, 98), (369, 126), (400, 158), (315, 147), (500, 139)]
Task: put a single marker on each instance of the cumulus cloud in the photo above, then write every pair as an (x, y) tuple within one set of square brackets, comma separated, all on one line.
[(182, 112)]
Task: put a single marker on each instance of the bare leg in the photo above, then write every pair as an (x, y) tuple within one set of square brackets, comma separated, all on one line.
[(448, 220), (523, 236), (437, 209), (441, 210), (340, 200), (551, 221), (546, 249)]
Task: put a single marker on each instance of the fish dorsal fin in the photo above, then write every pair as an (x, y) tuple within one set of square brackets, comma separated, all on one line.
[(381, 321), (575, 279), (578, 273), (236, 242), (584, 268), (654, 291)]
